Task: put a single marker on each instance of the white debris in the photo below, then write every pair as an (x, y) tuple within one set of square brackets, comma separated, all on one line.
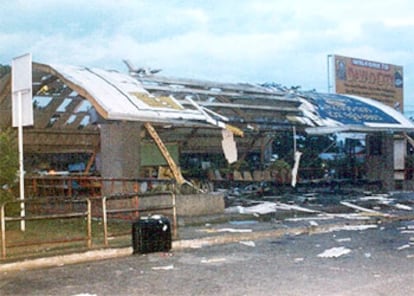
[(362, 209), (248, 243), (313, 223), (213, 260), (225, 230), (283, 206), (353, 227), (319, 217), (297, 260), (386, 201), (232, 230), (263, 208), (167, 267), (380, 198), (342, 240), (334, 252), (352, 216), (407, 231), (329, 216), (402, 207), (84, 294), (403, 247), (268, 207)]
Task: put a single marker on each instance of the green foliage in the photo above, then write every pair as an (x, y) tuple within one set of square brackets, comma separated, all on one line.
[(310, 146), (241, 165), (4, 70), (9, 163), (280, 165)]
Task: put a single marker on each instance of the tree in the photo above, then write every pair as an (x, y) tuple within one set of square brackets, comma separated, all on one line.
[(4, 69), (9, 163), (310, 145)]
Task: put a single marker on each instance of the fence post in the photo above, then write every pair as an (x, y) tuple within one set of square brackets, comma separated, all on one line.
[(174, 214), (89, 226), (105, 221), (3, 231)]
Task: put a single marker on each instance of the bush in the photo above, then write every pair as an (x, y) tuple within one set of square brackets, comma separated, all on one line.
[(9, 163)]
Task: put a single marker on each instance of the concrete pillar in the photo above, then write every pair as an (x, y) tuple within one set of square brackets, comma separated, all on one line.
[(120, 152), (380, 159)]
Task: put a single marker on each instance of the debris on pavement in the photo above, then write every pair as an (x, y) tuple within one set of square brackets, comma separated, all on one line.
[(248, 243), (297, 260), (267, 207), (213, 260), (362, 209), (342, 240), (406, 246), (167, 267), (353, 227), (334, 252), (234, 230)]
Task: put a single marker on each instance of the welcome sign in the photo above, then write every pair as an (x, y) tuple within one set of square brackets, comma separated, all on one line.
[(369, 79)]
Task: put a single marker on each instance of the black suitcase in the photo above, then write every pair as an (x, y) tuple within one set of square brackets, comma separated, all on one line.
[(151, 234)]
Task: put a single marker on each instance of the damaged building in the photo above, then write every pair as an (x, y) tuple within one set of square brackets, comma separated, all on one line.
[(138, 126)]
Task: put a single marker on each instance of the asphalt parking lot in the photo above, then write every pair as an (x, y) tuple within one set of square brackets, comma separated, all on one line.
[(360, 259), (361, 252)]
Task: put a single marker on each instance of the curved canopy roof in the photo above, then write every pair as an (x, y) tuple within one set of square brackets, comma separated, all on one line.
[(118, 96)]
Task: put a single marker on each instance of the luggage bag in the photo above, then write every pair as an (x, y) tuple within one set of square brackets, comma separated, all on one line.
[(151, 234)]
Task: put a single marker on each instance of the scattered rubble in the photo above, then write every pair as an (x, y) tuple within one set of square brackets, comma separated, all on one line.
[(167, 267), (248, 243), (213, 260), (323, 205), (334, 252)]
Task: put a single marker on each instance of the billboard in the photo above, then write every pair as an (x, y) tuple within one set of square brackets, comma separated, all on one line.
[(375, 80)]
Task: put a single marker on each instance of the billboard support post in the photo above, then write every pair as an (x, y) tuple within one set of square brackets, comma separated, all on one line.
[(329, 69)]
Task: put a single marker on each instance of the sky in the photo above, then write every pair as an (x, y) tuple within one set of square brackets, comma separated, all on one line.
[(248, 41)]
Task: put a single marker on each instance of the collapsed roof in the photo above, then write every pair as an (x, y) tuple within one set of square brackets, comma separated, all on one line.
[(70, 100)]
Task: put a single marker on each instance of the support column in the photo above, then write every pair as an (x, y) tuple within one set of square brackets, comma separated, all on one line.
[(380, 159), (120, 153)]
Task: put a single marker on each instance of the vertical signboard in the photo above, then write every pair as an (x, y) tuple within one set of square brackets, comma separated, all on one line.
[(22, 88), (375, 80)]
